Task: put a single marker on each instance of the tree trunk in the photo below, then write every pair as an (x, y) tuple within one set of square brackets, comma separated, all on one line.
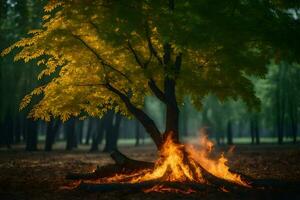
[(89, 132), (52, 128), (280, 104), (17, 130), (229, 133), (256, 130), (168, 96), (137, 133), (293, 118), (70, 133), (98, 134), (8, 130), (252, 131), (32, 136), (172, 115), (79, 130), (112, 132)]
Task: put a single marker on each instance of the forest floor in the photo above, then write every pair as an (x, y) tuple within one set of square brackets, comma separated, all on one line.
[(41, 175)]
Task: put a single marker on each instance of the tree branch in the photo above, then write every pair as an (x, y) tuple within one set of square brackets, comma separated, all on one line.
[(146, 121), (151, 83), (150, 45), (137, 59), (102, 61), (158, 92)]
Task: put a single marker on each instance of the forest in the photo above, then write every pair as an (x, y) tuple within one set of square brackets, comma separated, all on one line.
[(85, 83)]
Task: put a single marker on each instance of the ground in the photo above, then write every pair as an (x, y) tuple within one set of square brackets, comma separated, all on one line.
[(41, 175)]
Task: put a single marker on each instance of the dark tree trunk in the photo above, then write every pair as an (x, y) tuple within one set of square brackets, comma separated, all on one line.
[(252, 131), (256, 130), (89, 132), (52, 128), (17, 130), (31, 136), (137, 133), (229, 133), (79, 130), (8, 130), (112, 132), (294, 131), (140, 115), (70, 133), (280, 105), (24, 128), (172, 114), (168, 96), (293, 117), (98, 134)]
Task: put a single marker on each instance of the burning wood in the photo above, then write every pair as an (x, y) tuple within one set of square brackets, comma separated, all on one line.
[(183, 168)]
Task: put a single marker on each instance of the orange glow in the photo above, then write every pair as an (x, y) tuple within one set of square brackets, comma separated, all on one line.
[(173, 165), (216, 167), (180, 163)]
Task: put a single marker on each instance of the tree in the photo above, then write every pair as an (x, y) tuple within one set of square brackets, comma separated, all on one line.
[(112, 132), (280, 94), (69, 129), (16, 18), (126, 50), (98, 133), (52, 129)]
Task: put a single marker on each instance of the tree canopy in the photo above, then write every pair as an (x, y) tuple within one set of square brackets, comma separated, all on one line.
[(105, 54)]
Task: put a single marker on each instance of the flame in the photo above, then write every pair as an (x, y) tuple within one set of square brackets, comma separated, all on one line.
[(217, 167), (175, 164), (180, 163)]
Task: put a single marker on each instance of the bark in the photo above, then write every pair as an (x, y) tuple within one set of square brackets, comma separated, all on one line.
[(252, 131), (229, 133), (256, 129), (172, 113), (52, 129), (293, 118), (32, 136), (70, 133), (89, 132), (122, 160), (8, 130), (17, 130), (280, 105), (101, 172), (79, 131), (137, 133), (98, 134), (112, 132), (123, 165), (140, 115)]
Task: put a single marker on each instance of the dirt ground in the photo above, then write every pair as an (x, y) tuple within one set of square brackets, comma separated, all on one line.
[(41, 175)]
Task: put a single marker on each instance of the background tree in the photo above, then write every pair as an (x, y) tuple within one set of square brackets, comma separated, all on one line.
[(134, 49)]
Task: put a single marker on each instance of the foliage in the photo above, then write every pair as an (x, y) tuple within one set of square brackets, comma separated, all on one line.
[(86, 46)]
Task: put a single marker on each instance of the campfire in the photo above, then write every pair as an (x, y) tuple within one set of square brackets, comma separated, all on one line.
[(179, 168)]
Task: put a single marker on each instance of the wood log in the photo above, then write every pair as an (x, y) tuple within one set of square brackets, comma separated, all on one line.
[(109, 187), (100, 172), (122, 160), (123, 165)]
